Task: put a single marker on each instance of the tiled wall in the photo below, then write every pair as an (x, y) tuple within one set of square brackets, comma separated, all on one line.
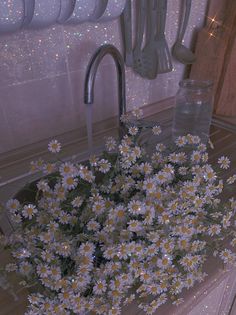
[(42, 77)]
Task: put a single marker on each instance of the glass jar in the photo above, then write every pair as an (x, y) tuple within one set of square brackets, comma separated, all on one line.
[(193, 109)]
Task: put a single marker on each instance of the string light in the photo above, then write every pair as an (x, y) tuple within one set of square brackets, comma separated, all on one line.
[(213, 26)]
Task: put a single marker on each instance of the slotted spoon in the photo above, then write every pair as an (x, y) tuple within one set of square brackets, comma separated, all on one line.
[(141, 9), (164, 62), (149, 56)]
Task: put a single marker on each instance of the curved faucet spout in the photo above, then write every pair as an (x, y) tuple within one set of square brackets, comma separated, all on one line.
[(92, 70)]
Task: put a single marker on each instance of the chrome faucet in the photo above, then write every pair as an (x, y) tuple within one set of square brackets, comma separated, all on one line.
[(91, 75)]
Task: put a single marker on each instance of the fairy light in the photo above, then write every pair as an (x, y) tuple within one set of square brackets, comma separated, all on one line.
[(212, 19), (213, 25)]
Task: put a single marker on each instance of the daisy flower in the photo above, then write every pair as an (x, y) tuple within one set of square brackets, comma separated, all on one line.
[(13, 205), (104, 166), (133, 130), (151, 250), (69, 182), (136, 152), (86, 249), (196, 140), (167, 246), (226, 219), (183, 170), (63, 249), (49, 168), (55, 272), (137, 113), (47, 255), (205, 157), (43, 185), (53, 226), (110, 144), (115, 310), (192, 139), (161, 177), (11, 267), (157, 158), (113, 267), (124, 118), (149, 185), (178, 301), (100, 287), (189, 262), (46, 237), (25, 268), (136, 207), (119, 213), (98, 207), (123, 251), (231, 179), (93, 225), (77, 202), (29, 211), (86, 174), (36, 165), (224, 162), (209, 173), (110, 253), (129, 299), (146, 168), (190, 280), (164, 218), (68, 169), (177, 286), (181, 141), (214, 230), (227, 256), (135, 226), (153, 289), (54, 146), (43, 271), (64, 217), (160, 147), (196, 156), (156, 130), (165, 261), (202, 147)]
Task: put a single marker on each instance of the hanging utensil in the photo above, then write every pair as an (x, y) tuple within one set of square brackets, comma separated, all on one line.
[(29, 12), (100, 7), (113, 10), (83, 11), (141, 11), (164, 62), (45, 13), (149, 56), (12, 14), (180, 52), (126, 28), (67, 9)]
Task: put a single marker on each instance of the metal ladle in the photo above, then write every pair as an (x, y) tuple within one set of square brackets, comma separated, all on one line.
[(179, 51)]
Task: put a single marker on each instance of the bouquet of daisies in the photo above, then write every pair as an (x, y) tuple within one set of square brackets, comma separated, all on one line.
[(96, 236)]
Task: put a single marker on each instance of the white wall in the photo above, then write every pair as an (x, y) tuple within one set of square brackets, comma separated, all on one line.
[(42, 77)]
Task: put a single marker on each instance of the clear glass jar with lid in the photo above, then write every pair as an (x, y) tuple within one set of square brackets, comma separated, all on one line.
[(193, 109)]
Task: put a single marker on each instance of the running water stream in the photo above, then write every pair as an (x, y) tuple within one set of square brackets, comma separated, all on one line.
[(89, 124)]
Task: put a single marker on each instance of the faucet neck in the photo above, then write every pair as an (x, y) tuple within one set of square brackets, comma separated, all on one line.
[(92, 71)]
